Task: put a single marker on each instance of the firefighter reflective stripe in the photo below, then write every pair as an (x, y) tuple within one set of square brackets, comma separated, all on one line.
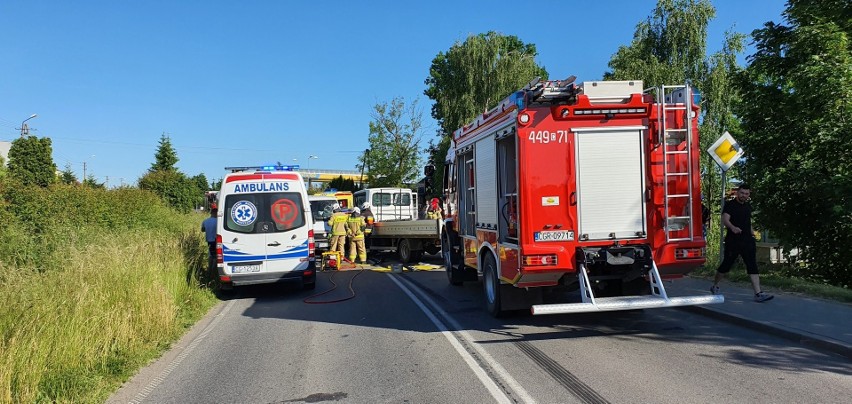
[(337, 221), (355, 225)]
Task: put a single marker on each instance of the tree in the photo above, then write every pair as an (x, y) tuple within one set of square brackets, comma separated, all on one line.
[(200, 181), (343, 184), (797, 134), (670, 47), (165, 180), (216, 184), (91, 182), (395, 134), (31, 161), (472, 77), (166, 156), (173, 187), (67, 175)]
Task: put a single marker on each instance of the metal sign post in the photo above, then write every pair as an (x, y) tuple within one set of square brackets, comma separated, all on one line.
[(725, 151)]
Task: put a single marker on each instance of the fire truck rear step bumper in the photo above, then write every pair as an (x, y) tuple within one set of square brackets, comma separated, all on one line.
[(657, 299), (625, 303)]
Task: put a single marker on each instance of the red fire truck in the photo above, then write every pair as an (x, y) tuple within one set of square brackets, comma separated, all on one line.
[(564, 187)]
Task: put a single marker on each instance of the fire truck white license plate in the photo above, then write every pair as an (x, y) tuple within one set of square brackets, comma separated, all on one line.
[(241, 269), (557, 235)]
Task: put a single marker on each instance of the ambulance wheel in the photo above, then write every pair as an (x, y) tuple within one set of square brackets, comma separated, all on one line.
[(454, 275), (491, 283), (226, 290), (310, 282), (406, 255)]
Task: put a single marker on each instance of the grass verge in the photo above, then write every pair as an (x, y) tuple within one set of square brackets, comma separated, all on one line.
[(121, 297)]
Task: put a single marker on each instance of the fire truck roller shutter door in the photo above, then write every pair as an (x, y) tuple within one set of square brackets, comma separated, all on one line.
[(610, 183)]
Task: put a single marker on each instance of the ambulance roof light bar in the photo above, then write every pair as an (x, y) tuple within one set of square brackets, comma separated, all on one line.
[(291, 167)]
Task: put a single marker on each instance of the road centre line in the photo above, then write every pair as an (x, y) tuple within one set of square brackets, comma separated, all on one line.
[(457, 337)]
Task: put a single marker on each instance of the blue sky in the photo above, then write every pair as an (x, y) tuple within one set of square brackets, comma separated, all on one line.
[(254, 82)]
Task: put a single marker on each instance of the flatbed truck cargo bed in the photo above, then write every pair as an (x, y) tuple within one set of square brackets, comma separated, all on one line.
[(408, 238), (425, 228)]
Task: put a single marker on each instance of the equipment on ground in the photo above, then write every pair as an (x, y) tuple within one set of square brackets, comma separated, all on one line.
[(331, 260)]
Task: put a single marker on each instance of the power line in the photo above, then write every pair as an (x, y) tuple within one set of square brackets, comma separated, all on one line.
[(177, 146)]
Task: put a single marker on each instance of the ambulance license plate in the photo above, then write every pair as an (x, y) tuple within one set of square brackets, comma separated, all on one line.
[(242, 269), (322, 245), (557, 235)]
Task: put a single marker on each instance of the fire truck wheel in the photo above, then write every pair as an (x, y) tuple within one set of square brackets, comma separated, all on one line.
[(492, 286), (454, 275)]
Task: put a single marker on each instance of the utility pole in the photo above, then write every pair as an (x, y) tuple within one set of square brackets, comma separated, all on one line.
[(84, 172), (106, 183)]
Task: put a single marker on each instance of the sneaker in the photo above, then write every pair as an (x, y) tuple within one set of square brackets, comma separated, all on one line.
[(714, 290), (762, 297)]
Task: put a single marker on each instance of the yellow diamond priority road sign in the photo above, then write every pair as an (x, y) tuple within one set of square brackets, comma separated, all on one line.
[(726, 151)]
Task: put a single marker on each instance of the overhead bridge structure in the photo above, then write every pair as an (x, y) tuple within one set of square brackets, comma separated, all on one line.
[(319, 175)]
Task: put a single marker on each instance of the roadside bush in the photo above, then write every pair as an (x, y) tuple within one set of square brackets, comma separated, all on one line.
[(93, 284), (176, 189), (35, 220)]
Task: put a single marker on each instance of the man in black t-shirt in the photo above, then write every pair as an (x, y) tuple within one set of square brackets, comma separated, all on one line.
[(739, 241)]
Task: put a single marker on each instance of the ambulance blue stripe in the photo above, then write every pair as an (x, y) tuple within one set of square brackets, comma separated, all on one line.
[(294, 253), (230, 255)]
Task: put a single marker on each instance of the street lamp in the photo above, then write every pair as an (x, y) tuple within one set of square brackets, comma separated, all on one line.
[(24, 129), (311, 157)]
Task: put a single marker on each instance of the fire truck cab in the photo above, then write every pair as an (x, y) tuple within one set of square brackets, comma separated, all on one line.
[(590, 187)]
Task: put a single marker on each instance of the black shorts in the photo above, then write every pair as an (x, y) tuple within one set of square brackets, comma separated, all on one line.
[(739, 247)]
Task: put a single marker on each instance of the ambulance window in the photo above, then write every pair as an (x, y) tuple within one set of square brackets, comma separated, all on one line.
[(264, 212), (285, 210), (241, 212)]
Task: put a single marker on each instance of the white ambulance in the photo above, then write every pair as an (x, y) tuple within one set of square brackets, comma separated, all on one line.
[(265, 230)]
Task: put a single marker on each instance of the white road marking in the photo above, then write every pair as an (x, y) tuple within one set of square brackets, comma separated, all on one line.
[(496, 392), (174, 364)]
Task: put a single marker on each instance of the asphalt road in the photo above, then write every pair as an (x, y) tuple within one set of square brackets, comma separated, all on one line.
[(414, 338)]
